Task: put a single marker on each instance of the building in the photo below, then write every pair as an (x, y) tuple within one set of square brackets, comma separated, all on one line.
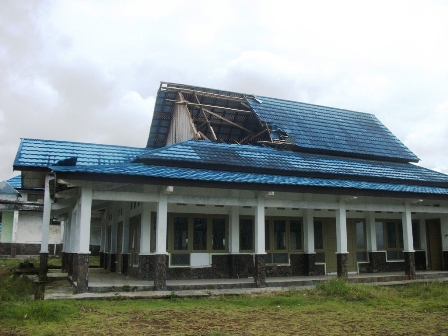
[(21, 220), (232, 185)]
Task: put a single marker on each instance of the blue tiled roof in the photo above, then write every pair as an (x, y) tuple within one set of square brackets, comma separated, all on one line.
[(15, 182), (206, 154), (207, 175), (44, 153), (331, 129), (312, 128)]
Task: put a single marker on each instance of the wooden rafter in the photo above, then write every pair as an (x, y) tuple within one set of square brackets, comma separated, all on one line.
[(253, 136), (213, 106), (228, 121), (190, 119), (203, 93), (210, 128)]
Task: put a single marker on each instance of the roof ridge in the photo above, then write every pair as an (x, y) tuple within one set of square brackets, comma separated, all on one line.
[(318, 105), (78, 142)]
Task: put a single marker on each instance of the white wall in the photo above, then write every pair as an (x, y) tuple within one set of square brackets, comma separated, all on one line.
[(29, 229)]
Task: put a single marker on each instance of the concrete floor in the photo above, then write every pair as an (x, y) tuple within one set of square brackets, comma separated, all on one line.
[(103, 284)]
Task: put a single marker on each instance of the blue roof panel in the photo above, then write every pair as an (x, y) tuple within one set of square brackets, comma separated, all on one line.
[(44, 153), (254, 158), (314, 127), (207, 175), (15, 182)]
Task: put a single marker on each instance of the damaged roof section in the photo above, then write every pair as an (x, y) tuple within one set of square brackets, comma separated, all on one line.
[(215, 115), (183, 112)]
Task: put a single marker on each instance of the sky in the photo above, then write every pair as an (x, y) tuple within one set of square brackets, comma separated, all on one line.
[(89, 70)]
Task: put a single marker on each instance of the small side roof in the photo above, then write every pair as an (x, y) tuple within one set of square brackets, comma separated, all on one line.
[(41, 154), (15, 182), (7, 189)]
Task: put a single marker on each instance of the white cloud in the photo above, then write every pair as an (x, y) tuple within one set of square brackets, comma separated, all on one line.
[(96, 66)]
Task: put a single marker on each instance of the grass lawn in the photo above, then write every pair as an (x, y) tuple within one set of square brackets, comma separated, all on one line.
[(334, 308)]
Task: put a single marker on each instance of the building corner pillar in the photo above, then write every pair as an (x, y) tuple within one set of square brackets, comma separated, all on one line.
[(408, 242), (260, 270), (82, 264), (342, 265), (409, 265), (43, 265), (160, 272)]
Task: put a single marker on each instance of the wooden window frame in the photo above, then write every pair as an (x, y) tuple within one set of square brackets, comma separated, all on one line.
[(288, 250), (398, 238), (135, 232), (190, 221)]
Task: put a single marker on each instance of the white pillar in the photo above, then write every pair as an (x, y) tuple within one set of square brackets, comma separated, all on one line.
[(308, 231), (46, 216), (422, 230), (103, 232), (162, 223), (125, 235), (65, 234), (371, 232), (408, 242), (234, 230), (85, 215), (444, 230), (145, 233), (114, 229), (72, 233), (341, 229), (15, 225), (259, 226)]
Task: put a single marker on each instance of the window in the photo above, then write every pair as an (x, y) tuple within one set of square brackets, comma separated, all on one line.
[(394, 232), (389, 236), (379, 236), (195, 234), (361, 252), (416, 235), (134, 238), (319, 242), (281, 237), (246, 235), (35, 198)]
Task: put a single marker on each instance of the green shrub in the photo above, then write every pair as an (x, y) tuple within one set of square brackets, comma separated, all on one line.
[(339, 288), (15, 288)]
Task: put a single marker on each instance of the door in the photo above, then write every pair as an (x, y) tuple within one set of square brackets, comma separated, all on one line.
[(330, 245), (119, 247), (434, 244)]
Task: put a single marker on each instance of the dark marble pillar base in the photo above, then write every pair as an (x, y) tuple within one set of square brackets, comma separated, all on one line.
[(445, 260), (106, 260), (160, 272), (82, 272), (112, 262), (63, 262), (102, 259), (409, 265), (75, 267), (377, 262), (342, 263), (260, 270), (43, 265), (125, 264), (70, 264), (144, 267), (309, 264), (240, 266)]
